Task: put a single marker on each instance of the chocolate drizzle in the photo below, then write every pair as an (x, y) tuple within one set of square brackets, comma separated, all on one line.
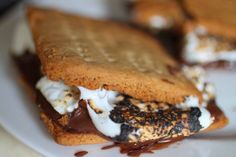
[(80, 153), (136, 149)]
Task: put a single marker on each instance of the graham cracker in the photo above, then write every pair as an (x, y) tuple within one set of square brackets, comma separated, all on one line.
[(98, 53)]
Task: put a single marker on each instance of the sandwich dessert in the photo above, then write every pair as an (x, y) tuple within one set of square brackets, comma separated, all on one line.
[(96, 81), (210, 39), (157, 14)]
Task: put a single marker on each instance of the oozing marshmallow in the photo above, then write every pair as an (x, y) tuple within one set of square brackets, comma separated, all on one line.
[(202, 48), (100, 103), (62, 98)]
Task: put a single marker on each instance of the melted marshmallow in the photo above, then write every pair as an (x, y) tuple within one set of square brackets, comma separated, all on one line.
[(58, 95), (101, 100), (193, 53)]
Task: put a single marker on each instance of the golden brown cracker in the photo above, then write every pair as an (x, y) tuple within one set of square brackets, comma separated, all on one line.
[(95, 54)]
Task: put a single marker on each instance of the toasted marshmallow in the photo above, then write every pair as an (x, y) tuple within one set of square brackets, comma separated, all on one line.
[(60, 96), (100, 103)]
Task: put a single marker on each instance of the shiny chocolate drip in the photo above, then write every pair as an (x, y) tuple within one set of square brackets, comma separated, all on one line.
[(80, 153), (136, 149), (80, 120)]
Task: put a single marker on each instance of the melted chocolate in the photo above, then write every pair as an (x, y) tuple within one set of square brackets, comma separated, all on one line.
[(29, 66), (136, 149), (80, 153), (80, 120)]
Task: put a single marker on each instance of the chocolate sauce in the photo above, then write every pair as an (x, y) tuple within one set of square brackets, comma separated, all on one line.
[(80, 153), (136, 149), (80, 120), (29, 66)]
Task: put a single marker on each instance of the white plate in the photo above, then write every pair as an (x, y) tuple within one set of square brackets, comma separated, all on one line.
[(20, 116)]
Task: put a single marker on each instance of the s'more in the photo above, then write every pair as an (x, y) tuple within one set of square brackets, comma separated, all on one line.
[(96, 81), (210, 38)]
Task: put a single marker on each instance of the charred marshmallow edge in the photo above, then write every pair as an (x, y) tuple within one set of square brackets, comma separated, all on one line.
[(194, 52)]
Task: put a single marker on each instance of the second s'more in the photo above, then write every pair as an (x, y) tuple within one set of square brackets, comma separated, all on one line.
[(210, 38)]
